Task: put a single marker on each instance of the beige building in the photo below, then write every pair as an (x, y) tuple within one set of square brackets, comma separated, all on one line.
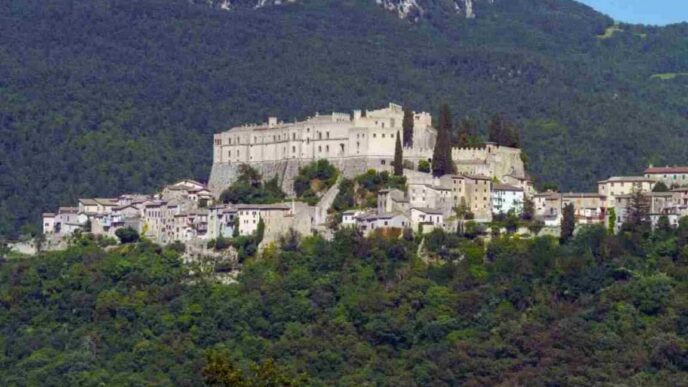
[(474, 191), (334, 136), (548, 208), (430, 196), (671, 176), (623, 185), (660, 203), (590, 208)]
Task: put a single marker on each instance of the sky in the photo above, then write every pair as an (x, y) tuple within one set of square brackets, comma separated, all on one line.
[(656, 12)]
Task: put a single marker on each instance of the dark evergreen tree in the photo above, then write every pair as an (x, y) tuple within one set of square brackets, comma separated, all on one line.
[(442, 163), (398, 158), (638, 213), (466, 133), (495, 131), (660, 187), (568, 223), (528, 209), (663, 224), (407, 125), (503, 133)]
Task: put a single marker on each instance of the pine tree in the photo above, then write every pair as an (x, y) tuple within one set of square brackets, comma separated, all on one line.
[(398, 158), (442, 163), (407, 125), (568, 223), (638, 213)]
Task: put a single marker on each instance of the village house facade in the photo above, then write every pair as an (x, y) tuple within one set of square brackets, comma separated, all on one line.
[(671, 176)]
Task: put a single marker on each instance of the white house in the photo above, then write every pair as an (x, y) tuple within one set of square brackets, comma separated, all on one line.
[(426, 219), (507, 198), (368, 224)]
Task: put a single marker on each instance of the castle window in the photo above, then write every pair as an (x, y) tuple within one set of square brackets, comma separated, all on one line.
[(293, 136), (308, 141), (320, 149), (383, 135), (327, 149), (229, 153), (392, 135), (255, 140), (293, 149), (383, 162), (229, 141), (342, 147), (374, 135), (319, 135), (328, 135)]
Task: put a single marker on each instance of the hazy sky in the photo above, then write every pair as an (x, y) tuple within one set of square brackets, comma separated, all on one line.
[(657, 12)]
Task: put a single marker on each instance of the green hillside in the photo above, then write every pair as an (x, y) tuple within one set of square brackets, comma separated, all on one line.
[(101, 97), (600, 310)]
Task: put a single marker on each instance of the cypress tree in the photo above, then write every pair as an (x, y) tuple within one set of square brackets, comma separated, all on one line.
[(407, 125), (442, 163), (568, 223), (398, 158)]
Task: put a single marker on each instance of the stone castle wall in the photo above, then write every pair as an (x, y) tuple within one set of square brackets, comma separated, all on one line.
[(497, 161), (222, 175)]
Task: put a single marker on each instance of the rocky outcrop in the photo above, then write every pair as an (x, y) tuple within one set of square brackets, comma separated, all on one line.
[(229, 5), (412, 10)]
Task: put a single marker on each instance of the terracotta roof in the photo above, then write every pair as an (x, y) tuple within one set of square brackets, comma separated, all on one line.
[(583, 195), (627, 179), (662, 170)]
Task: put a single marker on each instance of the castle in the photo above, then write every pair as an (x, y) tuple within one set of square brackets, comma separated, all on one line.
[(354, 143)]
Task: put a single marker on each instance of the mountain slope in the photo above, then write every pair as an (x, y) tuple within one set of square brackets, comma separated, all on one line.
[(108, 96)]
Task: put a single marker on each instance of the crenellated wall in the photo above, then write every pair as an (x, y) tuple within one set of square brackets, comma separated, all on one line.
[(491, 160)]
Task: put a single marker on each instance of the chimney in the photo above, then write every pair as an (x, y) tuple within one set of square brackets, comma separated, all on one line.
[(357, 114), (272, 122)]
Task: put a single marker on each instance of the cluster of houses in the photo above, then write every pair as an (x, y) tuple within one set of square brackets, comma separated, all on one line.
[(431, 203), (185, 212), (489, 180)]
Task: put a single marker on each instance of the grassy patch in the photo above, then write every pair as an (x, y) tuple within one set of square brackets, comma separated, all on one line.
[(668, 76), (610, 31)]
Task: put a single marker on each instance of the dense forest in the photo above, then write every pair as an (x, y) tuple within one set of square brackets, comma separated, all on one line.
[(100, 97), (599, 309)]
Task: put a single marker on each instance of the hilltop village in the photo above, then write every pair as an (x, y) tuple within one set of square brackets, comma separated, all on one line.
[(487, 190)]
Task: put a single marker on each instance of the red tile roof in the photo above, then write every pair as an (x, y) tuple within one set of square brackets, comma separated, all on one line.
[(661, 170)]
